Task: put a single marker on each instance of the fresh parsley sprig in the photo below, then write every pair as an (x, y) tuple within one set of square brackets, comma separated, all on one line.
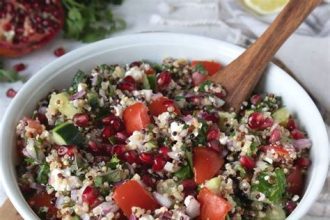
[(8, 75), (88, 20)]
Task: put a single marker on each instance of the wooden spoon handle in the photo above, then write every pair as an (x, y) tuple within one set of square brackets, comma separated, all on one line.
[(241, 76)]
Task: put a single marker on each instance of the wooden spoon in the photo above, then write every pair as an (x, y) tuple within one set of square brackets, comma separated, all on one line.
[(240, 77)]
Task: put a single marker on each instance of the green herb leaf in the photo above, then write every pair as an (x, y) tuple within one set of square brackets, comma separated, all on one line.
[(202, 86), (98, 181), (89, 21), (9, 76), (274, 187), (113, 162), (200, 68), (42, 177), (79, 77), (185, 172)]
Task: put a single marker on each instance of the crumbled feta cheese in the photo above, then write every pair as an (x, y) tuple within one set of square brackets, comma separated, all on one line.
[(136, 73), (82, 87), (61, 180)]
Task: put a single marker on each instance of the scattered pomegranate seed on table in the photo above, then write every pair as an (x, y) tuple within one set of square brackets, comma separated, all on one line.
[(59, 52), (11, 93), (19, 67)]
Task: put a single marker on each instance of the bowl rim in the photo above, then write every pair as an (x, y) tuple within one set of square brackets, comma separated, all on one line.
[(8, 177)]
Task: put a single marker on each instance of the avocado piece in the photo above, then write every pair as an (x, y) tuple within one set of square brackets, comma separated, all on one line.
[(61, 102)]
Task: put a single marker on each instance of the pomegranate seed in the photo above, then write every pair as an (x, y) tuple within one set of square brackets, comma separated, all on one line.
[(42, 118), (146, 158), (107, 132), (81, 120), (247, 162), (128, 83), (11, 93), (164, 152), (297, 134), (59, 52), (275, 136), (119, 150), (71, 149), (195, 99), (221, 95), (290, 206), (114, 122), (164, 79), (303, 162), (62, 150), (135, 63), (158, 163), (121, 137), (257, 121), (90, 195), (148, 181), (7, 26), (255, 99), (94, 147), (213, 133), (215, 145), (213, 117), (189, 186), (129, 79), (291, 124), (19, 67), (131, 157)]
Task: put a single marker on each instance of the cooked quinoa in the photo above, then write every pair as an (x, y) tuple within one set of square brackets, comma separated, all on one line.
[(152, 141)]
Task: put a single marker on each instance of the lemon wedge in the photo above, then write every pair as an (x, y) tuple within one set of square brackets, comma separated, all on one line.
[(266, 7)]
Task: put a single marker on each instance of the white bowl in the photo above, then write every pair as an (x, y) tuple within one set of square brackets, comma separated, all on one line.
[(155, 47)]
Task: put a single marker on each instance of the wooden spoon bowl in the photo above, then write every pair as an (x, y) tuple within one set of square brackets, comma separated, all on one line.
[(240, 77)]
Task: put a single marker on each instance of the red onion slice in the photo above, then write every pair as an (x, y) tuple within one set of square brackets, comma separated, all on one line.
[(302, 144)]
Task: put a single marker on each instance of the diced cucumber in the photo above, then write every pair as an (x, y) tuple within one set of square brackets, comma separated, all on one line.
[(149, 82), (281, 116), (93, 99), (66, 133), (146, 84), (213, 184), (61, 102)]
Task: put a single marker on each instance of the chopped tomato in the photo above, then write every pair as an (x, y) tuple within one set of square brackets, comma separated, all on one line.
[(161, 104), (211, 67), (43, 200), (150, 71), (295, 181), (213, 207), (136, 117), (132, 194), (277, 148), (207, 163)]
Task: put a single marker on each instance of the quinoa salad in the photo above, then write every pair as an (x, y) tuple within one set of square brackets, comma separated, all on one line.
[(152, 141)]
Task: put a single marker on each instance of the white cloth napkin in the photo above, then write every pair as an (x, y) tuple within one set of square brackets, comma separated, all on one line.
[(221, 19)]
